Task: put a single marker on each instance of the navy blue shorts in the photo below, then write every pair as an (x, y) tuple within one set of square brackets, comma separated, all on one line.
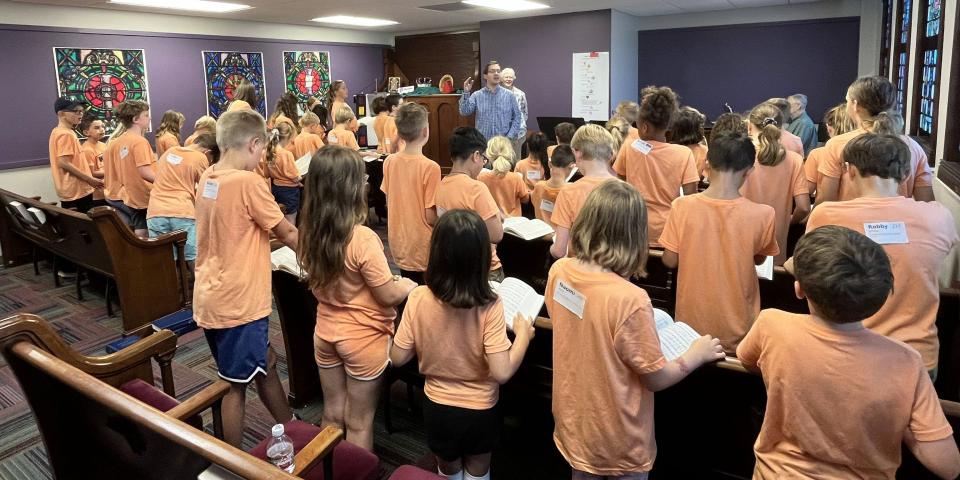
[(289, 197), (241, 351)]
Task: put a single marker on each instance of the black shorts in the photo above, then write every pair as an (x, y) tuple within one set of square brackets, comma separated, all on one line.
[(453, 432), (289, 197), (136, 218), (81, 204)]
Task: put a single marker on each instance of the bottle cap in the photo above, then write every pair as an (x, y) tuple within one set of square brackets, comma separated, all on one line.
[(277, 430)]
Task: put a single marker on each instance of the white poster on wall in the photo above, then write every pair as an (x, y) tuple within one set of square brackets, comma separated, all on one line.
[(591, 86)]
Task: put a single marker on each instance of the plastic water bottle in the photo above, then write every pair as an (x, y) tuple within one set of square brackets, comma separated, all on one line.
[(280, 449)]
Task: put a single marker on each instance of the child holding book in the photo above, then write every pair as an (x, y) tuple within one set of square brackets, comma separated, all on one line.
[(544, 194), (342, 134), (356, 293), (841, 399), (231, 298), (92, 151), (410, 183), (309, 139), (606, 351), (506, 186), (204, 124), (593, 147), (282, 170), (564, 133), (129, 171), (168, 134), (717, 288), (531, 168), (455, 327)]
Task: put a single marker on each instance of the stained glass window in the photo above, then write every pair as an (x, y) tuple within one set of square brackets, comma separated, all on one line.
[(927, 49), (885, 39), (928, 90), (901, 81), (905, 22), (934, 12)]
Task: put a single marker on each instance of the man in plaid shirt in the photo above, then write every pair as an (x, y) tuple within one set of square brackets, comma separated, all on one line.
[(497, 109)]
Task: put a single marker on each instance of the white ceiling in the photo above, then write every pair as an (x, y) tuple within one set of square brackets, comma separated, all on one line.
[(413, 18)]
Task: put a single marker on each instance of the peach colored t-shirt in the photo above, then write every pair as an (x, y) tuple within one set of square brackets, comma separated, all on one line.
[(658, 175), (192, 138), (531, 173), (175, 189), (348, 303), (235, 213), (776, 186), (452, 345), (550, 150), (910, 314), (385, 127), (343, 137), (602, 411), (699, 157), (283, 170), (812, 164), (410, 183), (839, 403), (238, 105), (457, 190), (165, 142), (64, 143), (571, 198), (791, 142), (717, 290), (93, 155), (544, 198), (831, 165), (131, 152), (508, 191), (306, 143)]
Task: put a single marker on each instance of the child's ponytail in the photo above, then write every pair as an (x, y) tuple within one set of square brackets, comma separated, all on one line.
[(764, 118), (500, 149), (888, 122), (272, 142)]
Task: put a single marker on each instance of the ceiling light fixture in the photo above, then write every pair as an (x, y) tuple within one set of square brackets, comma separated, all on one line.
[(193, 5), (507, 5), (355, 21)]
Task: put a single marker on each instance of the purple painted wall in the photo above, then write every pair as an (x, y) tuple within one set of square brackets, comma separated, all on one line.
[(541, 50), (174, 76), (744, 65)]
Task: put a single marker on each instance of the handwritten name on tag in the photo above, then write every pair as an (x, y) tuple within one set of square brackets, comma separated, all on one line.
[(570, 299), (886, 233), (546, 206), (174, 159), (211, 188), (642, 146)]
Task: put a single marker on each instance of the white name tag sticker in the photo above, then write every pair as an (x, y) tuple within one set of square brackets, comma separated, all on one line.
[(533, 174), (211, 188), (174, 159), (642, 146), (440, 211), (886, 233), (331, 138), (570, 299), (124, 152), (546, 206)]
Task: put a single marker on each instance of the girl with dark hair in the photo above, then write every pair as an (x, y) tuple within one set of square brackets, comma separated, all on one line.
[(168, 135), (385, 125), (532, 168), (286, 111), (687, 130)]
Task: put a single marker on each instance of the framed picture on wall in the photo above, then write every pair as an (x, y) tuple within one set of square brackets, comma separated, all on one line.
[(224, 71), (101, 78), (306, 74)]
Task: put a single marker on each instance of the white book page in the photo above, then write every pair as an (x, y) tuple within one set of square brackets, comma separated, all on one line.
[(765, 270), (528, 229), (285, 259), (303, 164), (676, 339), (661, 319), (514, 221), (518, 297)]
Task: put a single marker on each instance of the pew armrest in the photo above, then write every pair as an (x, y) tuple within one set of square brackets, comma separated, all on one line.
[(950, 409), (107, 214), (319, 449), (203, 400)]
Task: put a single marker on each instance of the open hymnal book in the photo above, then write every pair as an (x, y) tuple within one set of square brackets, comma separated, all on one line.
[(765, 269), (517, 297), (303, 164), (525, 228), (285, 259), (675, 337)]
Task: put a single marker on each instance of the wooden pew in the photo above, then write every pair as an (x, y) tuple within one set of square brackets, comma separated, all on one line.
[(297, 309), (150, 283)]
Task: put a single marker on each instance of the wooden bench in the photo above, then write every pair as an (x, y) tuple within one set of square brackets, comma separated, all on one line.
[(150, 282)]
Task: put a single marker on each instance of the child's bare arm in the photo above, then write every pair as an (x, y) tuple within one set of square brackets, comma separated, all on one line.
[(703, 350), (559, 247), (504, 364), (431, 215), (940, 457), (286, 233), (400, 356), (670, 259), (392, 293)]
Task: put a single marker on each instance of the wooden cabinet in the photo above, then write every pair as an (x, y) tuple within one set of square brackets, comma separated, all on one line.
[(444, 119)]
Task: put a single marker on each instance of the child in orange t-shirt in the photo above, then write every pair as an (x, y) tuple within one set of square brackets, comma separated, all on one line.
[(385, 125), (309, 139), (716, 238), (606, 349), (235, 215), (841, 400), (341, 134), (659, 170), (129, 166), (356, 292), (531, 168), (593, 147), (917, 236), (410, 183), (687, 130), (455, 326), (564, 133), (71, 174), (629, 111), (204, 124), (282, 169), (507, 187), (92, 151), (168, 134), (544, 194), (777, 180)]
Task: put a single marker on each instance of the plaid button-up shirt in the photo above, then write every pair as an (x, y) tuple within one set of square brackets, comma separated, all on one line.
[(498, 112)]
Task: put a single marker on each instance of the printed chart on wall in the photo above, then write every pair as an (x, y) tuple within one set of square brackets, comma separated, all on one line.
[(591, 86), (101, 78), (306, 74), (224, 71)]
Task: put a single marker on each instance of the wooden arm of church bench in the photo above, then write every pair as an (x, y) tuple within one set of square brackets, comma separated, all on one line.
[(319, 449), (203, 400), (132, 238), (950, 409)]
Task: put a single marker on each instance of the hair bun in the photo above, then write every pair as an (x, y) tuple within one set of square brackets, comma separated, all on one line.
[(769, 121)]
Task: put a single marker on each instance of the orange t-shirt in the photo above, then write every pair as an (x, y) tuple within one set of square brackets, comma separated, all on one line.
[(910, 314), (165, 142), (410, 183), (544, 198), (571, 198), (306, 144), (348, 304), (175, 189), (283, 170), (550, 150), (776, 186), (658, 175), (192, 138), (64, 143), (531, 173), (599, 355), (452, 345), (130, 152), (508, 191), (812, 164), (385, 127), (699, 157), (235, 213), (343, 137), (839, 403), (717, 289), (791, 142), (93, 155), (831, 165), (460, 191)]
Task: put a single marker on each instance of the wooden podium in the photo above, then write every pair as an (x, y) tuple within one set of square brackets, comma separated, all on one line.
[(444, 119)]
